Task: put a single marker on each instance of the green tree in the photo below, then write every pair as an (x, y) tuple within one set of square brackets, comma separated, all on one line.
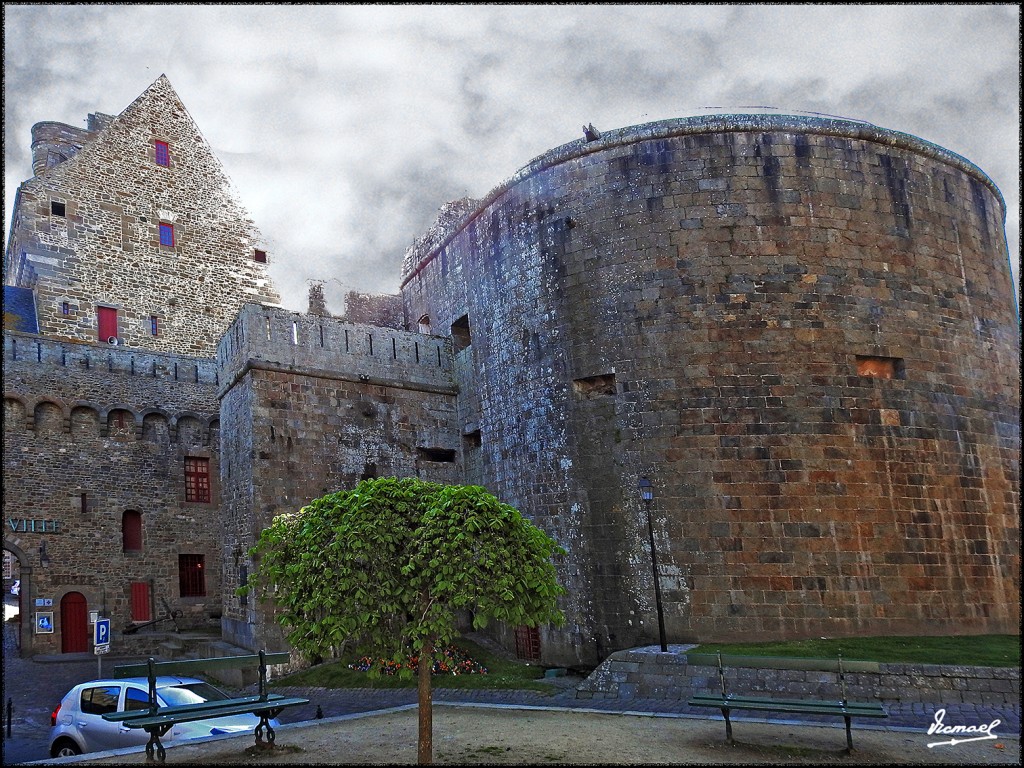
[(386, 568)]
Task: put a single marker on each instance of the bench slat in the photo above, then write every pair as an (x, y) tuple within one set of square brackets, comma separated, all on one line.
[(783, 705), (140, 713), (189, 713), (782, 662), (190, 667)]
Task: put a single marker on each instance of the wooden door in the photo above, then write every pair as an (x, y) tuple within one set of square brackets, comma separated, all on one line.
[(74, 623), (107, 321)]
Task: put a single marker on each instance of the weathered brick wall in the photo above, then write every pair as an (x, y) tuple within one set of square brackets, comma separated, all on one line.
[(311, 405), (106, 248), (688, 301), (64, 404)]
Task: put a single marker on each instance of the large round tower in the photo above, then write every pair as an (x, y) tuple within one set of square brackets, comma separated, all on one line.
[(801, 330)]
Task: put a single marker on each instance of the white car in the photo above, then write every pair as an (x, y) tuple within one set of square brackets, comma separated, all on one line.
[(77, 724)]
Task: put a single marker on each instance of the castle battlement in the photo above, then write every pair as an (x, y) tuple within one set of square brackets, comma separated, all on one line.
[(295, 341), (26, 349)]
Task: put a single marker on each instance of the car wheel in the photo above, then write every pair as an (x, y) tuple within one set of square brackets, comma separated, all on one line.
[(64, 748)]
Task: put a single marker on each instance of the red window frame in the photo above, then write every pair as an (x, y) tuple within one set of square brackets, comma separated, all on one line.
[(191, 575), (167, 234), (131, 532), (163, 154), (197, 479), (154, 325), (140, 601)]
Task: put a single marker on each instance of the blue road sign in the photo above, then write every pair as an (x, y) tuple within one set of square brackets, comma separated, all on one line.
[(101, 633)]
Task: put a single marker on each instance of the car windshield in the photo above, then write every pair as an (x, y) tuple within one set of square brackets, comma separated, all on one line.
[(191, 693)]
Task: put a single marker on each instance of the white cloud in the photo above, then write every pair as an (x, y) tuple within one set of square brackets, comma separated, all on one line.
[(345, 128)]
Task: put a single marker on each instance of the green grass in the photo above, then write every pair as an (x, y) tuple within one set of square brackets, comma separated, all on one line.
[(968, 650), (502, 674)]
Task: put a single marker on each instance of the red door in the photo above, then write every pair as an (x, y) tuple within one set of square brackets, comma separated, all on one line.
[(74, 623), (107, 321)]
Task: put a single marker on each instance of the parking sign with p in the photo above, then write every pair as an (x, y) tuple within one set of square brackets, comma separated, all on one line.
[(101, 632)]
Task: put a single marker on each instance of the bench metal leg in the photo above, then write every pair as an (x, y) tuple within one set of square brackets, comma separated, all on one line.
[(849, 736), (154, 745), (728, 725), (264, 724)]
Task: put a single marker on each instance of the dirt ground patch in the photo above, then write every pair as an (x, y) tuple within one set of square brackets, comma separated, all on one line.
[(469, 735)]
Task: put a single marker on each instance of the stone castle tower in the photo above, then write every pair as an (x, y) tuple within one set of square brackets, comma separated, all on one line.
[(801, 331), (132, 228)]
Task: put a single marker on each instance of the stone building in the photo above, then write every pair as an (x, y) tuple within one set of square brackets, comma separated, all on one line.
[(128, 256), (800, 331)]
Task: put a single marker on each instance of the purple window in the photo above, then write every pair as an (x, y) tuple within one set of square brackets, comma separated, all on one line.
[(166, 234), (163, 154)]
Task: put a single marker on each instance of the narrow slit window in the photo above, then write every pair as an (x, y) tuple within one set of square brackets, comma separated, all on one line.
[(167, 234), (443, 455), (154, 325), (163, 154), (65, 308), (594, 386)]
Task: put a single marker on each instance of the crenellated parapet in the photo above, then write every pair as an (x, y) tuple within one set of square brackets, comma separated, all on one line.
[(270, 337), (27, 350)]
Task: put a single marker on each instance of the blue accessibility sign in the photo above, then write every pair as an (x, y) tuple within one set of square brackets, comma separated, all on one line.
[(101, 632)]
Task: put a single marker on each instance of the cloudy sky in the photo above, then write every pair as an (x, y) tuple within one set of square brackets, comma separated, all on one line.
[(345, 128)]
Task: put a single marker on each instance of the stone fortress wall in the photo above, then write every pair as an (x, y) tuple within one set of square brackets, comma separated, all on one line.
[(92, 432), (801, 330), (311, 405)]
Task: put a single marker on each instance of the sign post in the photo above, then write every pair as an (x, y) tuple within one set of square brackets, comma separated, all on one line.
[(101, 642)]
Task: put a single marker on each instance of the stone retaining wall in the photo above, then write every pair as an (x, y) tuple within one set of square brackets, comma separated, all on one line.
[(651, 674)]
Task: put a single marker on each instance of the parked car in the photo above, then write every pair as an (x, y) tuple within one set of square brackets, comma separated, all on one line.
[(77, 724)]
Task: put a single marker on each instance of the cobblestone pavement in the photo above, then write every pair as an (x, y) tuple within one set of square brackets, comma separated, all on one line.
[(34, 687)]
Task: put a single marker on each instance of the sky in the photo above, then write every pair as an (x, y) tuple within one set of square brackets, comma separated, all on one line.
[(345, 128)]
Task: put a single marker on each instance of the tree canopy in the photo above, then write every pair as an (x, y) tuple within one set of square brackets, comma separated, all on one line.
[(386, 568)]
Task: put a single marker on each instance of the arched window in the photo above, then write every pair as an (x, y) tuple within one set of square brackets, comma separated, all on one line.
[(131, 531)]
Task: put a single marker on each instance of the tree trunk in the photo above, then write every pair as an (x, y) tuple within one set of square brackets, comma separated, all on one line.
[(426, 732)]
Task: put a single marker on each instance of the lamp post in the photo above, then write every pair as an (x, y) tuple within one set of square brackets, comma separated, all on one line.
[(647, 494)]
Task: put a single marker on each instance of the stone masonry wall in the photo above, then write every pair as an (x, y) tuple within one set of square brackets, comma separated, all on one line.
[(104, 249), (709, 303), (115, 425), (311, 405), (639, 674)]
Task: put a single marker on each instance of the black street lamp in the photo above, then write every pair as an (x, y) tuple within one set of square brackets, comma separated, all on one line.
[(647, 494)]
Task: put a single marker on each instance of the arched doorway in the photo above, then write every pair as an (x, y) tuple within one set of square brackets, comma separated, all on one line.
[(12, 602), (74, 623)]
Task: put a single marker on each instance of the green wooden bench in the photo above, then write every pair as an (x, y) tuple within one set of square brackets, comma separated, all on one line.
[(727, 701), (157, 720)]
